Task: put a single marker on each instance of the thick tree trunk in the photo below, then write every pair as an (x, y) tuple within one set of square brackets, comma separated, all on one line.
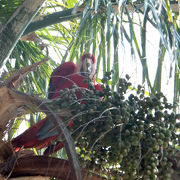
[(15, 26)]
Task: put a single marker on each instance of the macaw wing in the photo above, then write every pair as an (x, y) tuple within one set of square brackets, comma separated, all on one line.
[(60, 76), (31, 137)]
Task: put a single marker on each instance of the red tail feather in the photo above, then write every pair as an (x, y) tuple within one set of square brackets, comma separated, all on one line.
[(29, 138)]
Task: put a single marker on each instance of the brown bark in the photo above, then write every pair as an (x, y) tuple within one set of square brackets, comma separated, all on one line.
[(48, 166), (30, 178)]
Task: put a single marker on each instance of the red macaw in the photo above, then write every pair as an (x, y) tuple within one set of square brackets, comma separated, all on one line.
[(66, 75)]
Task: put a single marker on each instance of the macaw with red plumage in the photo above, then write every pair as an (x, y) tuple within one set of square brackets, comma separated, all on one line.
[(66, 75)]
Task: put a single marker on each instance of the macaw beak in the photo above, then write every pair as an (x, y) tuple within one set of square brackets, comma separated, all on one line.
[(86, 68), (88, 65)]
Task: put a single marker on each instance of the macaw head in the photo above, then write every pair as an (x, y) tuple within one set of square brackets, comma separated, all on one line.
[(86, 66)]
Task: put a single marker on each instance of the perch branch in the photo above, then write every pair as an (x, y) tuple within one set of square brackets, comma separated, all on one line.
[(58, 168)]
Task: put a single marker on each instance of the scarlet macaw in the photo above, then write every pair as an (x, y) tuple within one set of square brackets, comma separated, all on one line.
[(66, 75)]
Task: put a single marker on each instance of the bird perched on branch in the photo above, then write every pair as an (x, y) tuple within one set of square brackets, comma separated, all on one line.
[(66, 75)]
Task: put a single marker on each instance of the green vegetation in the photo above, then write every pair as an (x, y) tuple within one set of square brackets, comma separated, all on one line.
[(130, 132)]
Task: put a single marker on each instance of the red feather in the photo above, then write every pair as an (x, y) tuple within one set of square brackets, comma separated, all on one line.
[(60, 79), (28, 139), (65, 76)]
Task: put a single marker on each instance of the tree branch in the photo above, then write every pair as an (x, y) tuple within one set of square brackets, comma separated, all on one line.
[(66, 15), (48, 166), (51, 19)]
